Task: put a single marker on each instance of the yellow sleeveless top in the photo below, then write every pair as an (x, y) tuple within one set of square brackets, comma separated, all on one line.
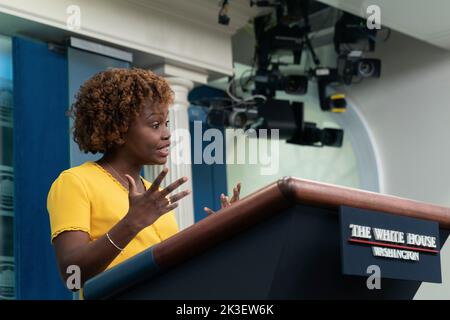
[(88, 198)]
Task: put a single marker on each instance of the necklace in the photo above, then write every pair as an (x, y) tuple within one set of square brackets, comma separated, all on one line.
[(125, 183)]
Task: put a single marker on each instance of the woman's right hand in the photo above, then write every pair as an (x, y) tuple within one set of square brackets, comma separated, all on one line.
[(145, 208)]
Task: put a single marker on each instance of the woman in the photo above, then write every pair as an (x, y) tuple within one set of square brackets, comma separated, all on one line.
[(104, 212)]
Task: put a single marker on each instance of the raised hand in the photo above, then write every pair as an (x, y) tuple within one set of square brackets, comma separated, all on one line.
[(145, 208), (225, 201)]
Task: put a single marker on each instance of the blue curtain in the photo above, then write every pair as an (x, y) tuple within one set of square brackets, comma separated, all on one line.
[(41, 152)]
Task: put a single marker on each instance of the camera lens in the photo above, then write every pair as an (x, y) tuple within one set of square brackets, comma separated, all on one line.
[(296, 85), (332, 137), (238, 119), (366, 69)]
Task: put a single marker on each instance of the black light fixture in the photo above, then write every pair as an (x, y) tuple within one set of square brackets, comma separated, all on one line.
[(223, 13)]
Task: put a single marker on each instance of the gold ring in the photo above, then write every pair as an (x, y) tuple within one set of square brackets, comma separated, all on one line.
[(168, 199)]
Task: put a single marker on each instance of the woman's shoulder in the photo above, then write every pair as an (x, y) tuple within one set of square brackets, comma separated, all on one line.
[(79, 171), (83, 179)]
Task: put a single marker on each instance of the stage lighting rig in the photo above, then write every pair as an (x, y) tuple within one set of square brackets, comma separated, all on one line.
[(351, 31), (267, 82), (335, 102), (284, 35), (283, 115), (354, 65)]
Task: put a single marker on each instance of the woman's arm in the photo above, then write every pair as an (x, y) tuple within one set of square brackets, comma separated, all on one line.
[(75, 248), (93, 257)]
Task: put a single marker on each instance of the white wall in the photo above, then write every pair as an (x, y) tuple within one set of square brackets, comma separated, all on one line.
[(408, 112), (424, 20), (180, 31)]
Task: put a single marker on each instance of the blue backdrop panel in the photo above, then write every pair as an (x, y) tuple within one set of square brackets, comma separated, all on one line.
[(82, 66), (41, 152), (208, 181)]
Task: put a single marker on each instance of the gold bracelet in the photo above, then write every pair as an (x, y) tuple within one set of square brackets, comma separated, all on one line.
[(112, 242)]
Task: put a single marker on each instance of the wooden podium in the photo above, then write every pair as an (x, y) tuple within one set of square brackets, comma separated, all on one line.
[(266, 246)]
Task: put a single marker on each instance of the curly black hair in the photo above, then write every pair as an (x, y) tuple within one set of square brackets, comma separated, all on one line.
[(108, 103)]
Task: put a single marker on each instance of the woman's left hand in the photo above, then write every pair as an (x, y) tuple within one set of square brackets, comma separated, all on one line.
[(225, 201)]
